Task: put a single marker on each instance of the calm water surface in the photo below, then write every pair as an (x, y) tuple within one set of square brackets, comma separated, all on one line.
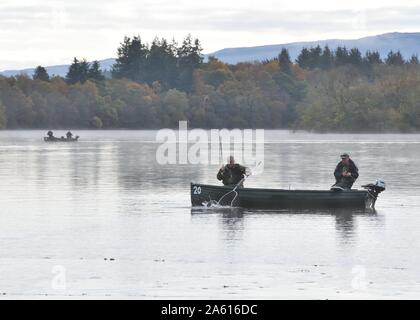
[(102, 218)]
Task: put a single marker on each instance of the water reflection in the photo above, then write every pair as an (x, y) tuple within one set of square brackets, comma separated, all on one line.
[(231, 219)]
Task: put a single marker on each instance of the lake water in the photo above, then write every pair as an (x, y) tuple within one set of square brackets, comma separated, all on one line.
[(101, 218)]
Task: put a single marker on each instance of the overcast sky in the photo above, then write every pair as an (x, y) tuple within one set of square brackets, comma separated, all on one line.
[(49, 32)]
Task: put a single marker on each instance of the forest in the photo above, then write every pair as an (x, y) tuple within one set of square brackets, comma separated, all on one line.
[(155, 85)]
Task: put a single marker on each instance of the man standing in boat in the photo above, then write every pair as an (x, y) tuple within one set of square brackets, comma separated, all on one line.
[(345, 173), (232, 173)]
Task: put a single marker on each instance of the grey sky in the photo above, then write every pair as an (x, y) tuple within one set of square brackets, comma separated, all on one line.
[(51, 32)]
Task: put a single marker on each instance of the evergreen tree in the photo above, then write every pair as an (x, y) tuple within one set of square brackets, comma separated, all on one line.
[(310, 59), (395, 58), (84, 70), (95, 72), (189, 58), (414, 59), (355, 57), (303, 59), (41, 74), (284, 60), (315, 57), (161, 63), (373, 57), (73, 74), (78, 71), (341, 56), (131, 60), (327, 59)]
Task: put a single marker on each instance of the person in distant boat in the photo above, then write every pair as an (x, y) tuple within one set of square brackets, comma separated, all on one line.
[(69, 135), (50, 135), (232, 173), (345, 173)]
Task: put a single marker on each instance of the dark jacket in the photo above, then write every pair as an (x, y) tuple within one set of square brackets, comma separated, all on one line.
[(231, 175), (351, 167)]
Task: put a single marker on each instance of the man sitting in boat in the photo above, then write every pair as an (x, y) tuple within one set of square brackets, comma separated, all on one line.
[(50, 135), (345, 173), (232, 173), (69, 135)]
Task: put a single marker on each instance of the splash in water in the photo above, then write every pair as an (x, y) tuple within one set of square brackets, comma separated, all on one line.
[(213, 204)]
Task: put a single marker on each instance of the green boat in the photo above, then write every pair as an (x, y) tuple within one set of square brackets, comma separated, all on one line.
[(62, 139), (206, 195)]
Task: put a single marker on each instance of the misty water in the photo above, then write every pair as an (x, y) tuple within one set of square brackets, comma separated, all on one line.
[(101, 218)]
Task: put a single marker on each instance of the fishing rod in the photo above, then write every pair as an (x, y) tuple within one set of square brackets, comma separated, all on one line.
[(220, 150)]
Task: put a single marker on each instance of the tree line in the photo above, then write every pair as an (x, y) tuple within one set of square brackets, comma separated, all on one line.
[(326, 58), (156, 85)]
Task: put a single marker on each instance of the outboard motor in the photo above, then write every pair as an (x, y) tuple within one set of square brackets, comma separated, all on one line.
[(374, 189)]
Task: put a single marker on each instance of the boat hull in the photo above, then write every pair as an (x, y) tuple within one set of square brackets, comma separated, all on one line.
[(202, 195), (48, 139)]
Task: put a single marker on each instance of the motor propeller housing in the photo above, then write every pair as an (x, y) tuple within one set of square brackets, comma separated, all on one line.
[(378, 186), (374, 189)]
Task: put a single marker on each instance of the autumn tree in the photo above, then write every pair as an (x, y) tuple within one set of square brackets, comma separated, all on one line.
[(174, 106), (156, 86)]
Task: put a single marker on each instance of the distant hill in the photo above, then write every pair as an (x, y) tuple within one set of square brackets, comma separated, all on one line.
[(60, 70), (407, 43)]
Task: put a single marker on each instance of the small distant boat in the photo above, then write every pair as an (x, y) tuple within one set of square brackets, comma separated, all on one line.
[(202, 195), (62, 139)]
